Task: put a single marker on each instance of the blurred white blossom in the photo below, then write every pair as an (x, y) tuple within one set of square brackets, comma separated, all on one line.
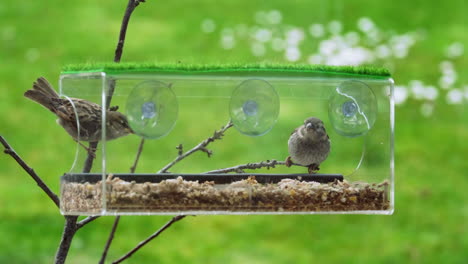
[(263, 35), (352, 38), (258, 49), (454, 50), (317, 30), (335, 27), (455, 96), (227, 39), (278, 44), (400, 94), (431, 93), (293, 54), (365, 24), (427, 109), (466, 92), (208, 25), (294, 36), (332, 45), (274, 17)]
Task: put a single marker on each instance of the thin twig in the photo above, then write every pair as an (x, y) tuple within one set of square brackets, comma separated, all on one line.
[(200, 147), (147, 240), (86, 221), (117, 218), (109, 240), (218, 134), (67, 236), (88, 165), (252, 166), (69, 231), (71, 225), (9, 150), (131, 5), (137, 158)]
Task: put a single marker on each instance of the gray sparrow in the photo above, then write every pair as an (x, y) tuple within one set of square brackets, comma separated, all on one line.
[(309, 145), (88, 113)]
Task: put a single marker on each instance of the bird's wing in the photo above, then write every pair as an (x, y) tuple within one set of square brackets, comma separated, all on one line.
[(64, 109)]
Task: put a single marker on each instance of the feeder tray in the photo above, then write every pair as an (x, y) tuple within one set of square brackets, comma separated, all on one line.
[(182, 105)]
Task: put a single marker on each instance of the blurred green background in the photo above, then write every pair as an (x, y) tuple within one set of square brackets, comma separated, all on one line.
[(424, 44)]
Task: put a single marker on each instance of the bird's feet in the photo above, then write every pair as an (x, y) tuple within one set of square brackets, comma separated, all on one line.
[(313, 168), (91, 151), (288, 161)]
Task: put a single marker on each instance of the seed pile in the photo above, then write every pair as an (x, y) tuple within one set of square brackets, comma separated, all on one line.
[(175, 195)]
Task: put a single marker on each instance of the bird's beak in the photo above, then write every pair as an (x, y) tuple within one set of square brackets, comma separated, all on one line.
[(129, 130), (308, 126)]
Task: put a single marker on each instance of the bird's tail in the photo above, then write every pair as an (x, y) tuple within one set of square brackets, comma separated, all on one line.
[(42, 93)]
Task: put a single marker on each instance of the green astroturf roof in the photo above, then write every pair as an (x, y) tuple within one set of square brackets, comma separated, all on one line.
[(219, 68)]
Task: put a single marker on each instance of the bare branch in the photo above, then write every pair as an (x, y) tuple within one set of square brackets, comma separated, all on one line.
[(117, 218), (88, 165), (200, 147), (69, 231), (131, 5), (137, 158), (218, 134), (144, 242), (180, 149), (9, 150), (252, 166), (86, 221), (109, 240), (71, 226)]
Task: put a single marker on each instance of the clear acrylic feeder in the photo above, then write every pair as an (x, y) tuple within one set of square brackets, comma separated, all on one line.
[(175, 108)]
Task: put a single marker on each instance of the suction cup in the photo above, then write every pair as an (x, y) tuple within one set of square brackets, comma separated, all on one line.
[(152, 109), (254, 107), (352, 109)]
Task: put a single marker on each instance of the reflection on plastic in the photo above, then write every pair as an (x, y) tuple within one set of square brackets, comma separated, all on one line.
[(254, 107), (152, 109), (352, 109)]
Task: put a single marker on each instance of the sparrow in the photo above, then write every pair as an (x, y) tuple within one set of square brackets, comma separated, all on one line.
[(309, 145), (89, 114)]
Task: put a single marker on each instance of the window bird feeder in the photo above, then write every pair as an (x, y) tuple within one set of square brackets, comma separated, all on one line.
[(175, 108)]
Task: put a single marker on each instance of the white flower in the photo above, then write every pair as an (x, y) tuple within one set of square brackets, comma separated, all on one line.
[(263, 35), (335, 27), (431, 93), (316, 30), (258, 49), (274, 17), (293, 53), (400, 94), (455, 96), (454, 50), (365, 24), (427, 109), (208, 25), (294, 36)]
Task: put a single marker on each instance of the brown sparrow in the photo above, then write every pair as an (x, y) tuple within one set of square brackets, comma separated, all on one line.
[(309, 145), (89, 114)]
